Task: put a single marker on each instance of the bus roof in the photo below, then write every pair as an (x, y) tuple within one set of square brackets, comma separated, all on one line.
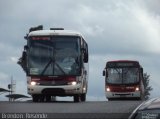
[(122, 63), (54, 32)]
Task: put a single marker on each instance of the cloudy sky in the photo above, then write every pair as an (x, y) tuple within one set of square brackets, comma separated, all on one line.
[(114, 29)]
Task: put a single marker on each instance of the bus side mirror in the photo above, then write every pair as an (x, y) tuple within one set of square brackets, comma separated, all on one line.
[(26, 48), (142, 71), (105, 73), (23, 61), (85, 52)]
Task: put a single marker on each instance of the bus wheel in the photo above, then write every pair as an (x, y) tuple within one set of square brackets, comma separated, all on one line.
[(35, 98), (141, 97), (76, 98), (42, 97), (48, 98), (110, 99), (83, 97), (53, 98)]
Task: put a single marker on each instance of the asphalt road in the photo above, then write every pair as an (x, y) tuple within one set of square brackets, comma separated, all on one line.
[(67, 109)]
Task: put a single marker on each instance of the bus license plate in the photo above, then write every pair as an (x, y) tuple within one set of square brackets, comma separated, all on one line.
[(122, 96)]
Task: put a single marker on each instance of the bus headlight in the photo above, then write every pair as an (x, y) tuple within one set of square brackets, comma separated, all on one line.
[(33, 83), (108, 89), (74, 83), (137, 89)]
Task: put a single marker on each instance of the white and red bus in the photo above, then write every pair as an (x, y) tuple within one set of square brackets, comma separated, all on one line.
[(123, 79), (56, 64)]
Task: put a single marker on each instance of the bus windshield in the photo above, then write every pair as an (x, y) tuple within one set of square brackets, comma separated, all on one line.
[(53, 56), (123, 75)]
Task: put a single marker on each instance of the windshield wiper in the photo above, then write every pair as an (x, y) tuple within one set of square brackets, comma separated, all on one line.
[(52, 61), (60, 68), (45, 68)]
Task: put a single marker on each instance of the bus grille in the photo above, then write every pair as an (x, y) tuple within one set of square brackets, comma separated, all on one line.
[(53, 91), (53, 83)]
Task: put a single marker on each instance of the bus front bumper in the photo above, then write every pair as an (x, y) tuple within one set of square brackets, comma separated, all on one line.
[(66, 90), (115, 95)]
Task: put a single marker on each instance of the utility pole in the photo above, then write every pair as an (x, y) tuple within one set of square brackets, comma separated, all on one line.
[(12, 87)]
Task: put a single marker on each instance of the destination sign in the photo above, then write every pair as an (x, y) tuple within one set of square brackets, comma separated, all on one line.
[(40, 38), (122, 64)]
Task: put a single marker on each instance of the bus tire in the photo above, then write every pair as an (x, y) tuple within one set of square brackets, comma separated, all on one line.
[(48, 98), (76, 98), (42, 98), (141, 97), (35, 98), (83, 97), (109, 99), (53, 98)]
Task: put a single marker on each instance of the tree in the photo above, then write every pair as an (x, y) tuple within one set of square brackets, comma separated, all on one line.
[(147, 88)]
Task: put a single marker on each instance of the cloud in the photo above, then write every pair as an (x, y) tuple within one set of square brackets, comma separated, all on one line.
[(4, 79), (3, 76), (128, 23)]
